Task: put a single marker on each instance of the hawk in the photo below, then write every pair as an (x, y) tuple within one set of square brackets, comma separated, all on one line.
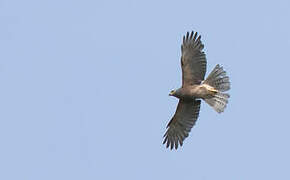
[(194, 88)]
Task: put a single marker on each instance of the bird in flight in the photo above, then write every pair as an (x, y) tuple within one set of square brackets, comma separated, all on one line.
[(194, 88)]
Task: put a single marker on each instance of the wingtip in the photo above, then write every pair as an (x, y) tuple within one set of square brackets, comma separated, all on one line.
[(191, 34), (198, 38), (195, 35)]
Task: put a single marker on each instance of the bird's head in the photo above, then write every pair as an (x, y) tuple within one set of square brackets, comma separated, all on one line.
[(172, 92)]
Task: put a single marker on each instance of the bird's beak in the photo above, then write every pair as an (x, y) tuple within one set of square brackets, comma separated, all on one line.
[(170, 94)]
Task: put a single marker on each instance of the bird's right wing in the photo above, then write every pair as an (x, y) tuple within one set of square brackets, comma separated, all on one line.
[(180, 125), (193, 60)]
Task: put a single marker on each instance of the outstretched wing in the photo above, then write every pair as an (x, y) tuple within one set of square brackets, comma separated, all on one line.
[(193, 60), (180, 125)]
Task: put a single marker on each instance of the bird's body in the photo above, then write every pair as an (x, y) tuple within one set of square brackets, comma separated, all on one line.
[(194, 89)]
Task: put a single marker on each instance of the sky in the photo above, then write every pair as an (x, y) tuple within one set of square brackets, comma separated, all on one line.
[(84, 89)]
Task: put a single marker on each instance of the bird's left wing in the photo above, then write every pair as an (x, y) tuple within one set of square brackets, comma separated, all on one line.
[(193, 60), (181, 123)]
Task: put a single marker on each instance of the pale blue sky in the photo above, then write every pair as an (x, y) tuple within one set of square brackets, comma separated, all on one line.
[(84, 90)]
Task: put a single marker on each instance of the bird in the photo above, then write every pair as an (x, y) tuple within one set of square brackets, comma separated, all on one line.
[(194, 89)]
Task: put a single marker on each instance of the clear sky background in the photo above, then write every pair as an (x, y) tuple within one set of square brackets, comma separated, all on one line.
[(84, 90)]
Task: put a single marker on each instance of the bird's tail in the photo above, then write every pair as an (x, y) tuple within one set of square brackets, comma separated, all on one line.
[(220, 82)]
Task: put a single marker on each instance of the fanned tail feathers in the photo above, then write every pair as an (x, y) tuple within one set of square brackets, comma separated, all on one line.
[(218, 101), (220, 81)]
